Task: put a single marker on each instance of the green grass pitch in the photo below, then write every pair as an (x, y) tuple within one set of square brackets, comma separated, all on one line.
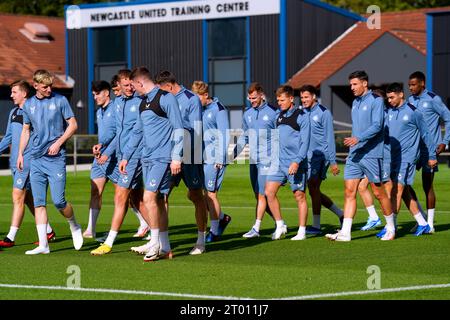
[(234, 267)]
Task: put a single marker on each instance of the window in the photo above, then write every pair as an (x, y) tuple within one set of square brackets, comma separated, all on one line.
[(110, 51), (110, 45), (227, 59)]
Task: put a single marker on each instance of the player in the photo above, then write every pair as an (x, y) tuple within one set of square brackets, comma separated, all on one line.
[(293, 125), (101, 173), (406, 129), (192, 169), (129, 186), (21, 194), (115, 86), (433, 110), (259, 121), (53, 124), (215, 138), (159, 129), (321, 155), (366, 155)]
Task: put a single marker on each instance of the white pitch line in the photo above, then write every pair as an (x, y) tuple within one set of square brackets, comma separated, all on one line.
[(183, 295), (131, 292), (366, 292)]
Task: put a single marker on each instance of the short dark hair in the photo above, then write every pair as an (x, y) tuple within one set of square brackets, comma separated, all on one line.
[(124, 74), (394, 88), (23, 85), (380, 92), (255, 86), (165, 76), (360, 74), (418, 75), (141, 72), (308, 88), (288, 90), (98, 86), (114, 81)]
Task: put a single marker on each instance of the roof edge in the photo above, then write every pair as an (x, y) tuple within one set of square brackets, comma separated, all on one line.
[(331, 45), (341, 11), (408, 42)]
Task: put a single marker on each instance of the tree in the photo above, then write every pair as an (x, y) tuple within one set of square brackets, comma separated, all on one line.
[(50, 8), (55, 8), (360, 6)]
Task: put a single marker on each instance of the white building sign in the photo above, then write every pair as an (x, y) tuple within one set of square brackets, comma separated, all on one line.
[(77, 17)]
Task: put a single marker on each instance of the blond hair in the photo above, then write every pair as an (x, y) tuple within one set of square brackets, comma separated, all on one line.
[(200, 87), (43, 77)]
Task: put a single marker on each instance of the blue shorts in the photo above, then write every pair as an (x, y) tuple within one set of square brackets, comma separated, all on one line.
[(297, 181), (192, 175), (133, 178), (423, 160), (317, 168), (108, 170), (45, 171), (157, 177), (213, 177), (386, 171), (258, 177), (403, 173), (372, 168), (21, 179)]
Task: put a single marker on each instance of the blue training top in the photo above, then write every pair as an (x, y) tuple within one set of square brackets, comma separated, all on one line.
[(126, 114), (367, 126), (215, 133), (106, 123), (258, 124), (294, 136), (48, 118), (159, 127), (406, 128), (433, 109), (191, 116), (12, 137), (322, 133)]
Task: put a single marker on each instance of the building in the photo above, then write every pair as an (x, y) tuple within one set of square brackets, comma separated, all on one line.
[(28, 43), (388, 54), (438, 59), (227, 43)]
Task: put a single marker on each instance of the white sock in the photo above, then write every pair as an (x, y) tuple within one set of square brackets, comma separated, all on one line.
[(372, 213), (93, 216), (424, 214), (316, 221), (390, 224), (111, 238), (257, 225), (337, 211), (12, 233), (221, 215), (214, 226), (142, 222), (42, 234), (431, 218), (164, 240), (301, 230), (201, 238), (72, 222), (347, 226), (420, 220), (280, 223), (49, 228), (154, 237)]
